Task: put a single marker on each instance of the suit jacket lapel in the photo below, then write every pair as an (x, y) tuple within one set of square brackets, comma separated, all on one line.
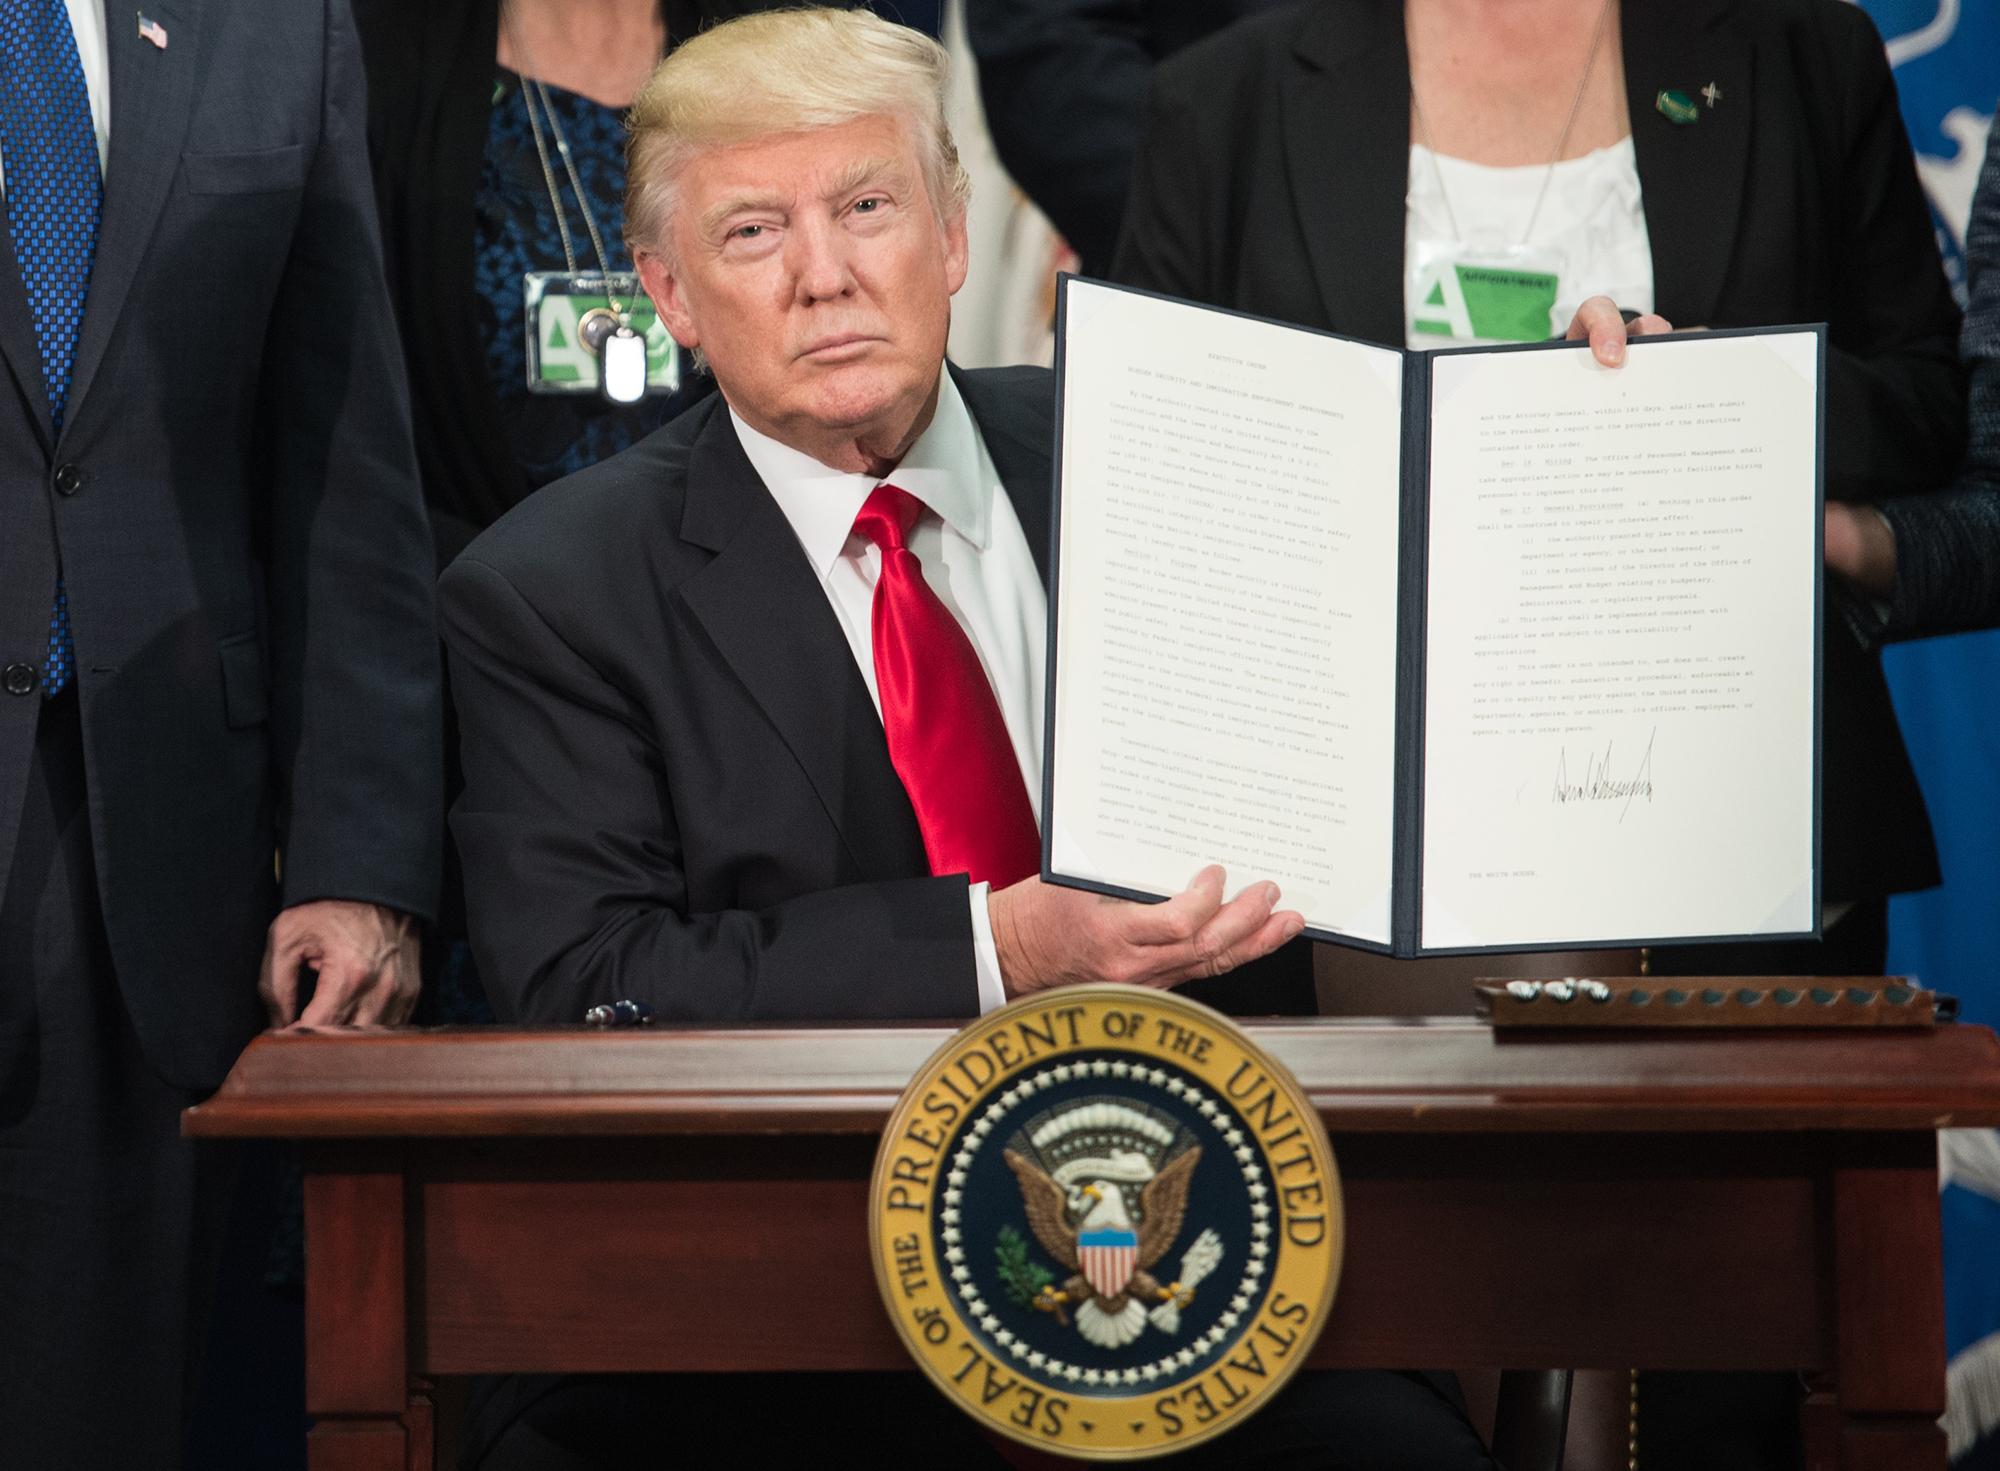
[(1346, 128), (152, 92), (22, 352), (1690, 174), (768, 616)]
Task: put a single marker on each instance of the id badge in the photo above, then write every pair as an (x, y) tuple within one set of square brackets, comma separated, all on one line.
[(1456, 295), (569, 317)]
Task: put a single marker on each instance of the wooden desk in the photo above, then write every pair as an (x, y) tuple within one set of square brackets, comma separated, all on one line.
[(489, 1200)]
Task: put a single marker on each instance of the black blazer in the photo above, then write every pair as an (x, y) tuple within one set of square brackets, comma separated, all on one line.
[(1273, 177), (430, 95), (1064, 83), (677, 787), (248, 570)]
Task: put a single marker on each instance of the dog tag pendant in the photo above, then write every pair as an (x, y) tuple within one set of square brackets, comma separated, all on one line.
[(572, 316), (624, 377)]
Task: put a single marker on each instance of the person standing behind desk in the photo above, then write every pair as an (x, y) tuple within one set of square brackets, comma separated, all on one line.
[(1719, 163), (1297, 167), (218, 667), (497, 137), (1934, 560), (456, 92)]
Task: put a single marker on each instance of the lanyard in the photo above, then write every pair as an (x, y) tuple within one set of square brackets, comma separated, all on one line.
[(621, 351), (533, 91)]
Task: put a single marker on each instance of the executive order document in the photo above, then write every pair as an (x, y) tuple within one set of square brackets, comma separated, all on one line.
[(1494, 648)]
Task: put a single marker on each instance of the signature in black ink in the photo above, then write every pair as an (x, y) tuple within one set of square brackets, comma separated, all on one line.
[(1599, 785)]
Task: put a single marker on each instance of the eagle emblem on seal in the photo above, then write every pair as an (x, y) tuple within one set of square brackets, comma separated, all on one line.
[(1105, 1186)]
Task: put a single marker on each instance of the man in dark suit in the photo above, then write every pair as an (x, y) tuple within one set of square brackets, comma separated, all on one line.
[(758, 853), (750, 712), (215, 650)]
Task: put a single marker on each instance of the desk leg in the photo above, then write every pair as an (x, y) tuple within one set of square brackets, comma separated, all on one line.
[(1821, 1424), (420, 1428), (1889, 1291), (368, 1414)]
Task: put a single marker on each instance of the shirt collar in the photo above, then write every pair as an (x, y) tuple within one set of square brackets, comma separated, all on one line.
[(942, 469)]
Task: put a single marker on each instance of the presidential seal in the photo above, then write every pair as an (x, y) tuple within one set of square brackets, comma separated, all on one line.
[(1105, 1223)]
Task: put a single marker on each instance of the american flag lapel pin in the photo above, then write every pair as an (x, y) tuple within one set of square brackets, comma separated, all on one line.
[(153, 31)]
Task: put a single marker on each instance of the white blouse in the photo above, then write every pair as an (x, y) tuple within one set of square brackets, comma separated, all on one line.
[(1591, 228)]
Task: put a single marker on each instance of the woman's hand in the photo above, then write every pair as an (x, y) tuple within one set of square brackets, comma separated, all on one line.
[(1600, 320)]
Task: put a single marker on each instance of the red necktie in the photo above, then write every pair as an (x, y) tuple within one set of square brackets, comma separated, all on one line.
[(947, 739)]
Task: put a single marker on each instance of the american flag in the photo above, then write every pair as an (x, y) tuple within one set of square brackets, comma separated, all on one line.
[(152, 30)]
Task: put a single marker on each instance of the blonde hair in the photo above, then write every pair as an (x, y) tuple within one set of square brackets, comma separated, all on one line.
[(785, 71)]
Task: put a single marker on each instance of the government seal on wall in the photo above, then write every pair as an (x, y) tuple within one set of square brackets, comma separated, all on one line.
[(1105, 1223)]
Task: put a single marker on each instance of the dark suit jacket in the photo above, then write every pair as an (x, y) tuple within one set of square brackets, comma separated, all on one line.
[(677, 787), (246, 557), (1064, 83), (1273, 176)]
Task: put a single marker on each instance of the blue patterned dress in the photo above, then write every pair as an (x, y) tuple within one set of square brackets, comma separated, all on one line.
[(514, 232)]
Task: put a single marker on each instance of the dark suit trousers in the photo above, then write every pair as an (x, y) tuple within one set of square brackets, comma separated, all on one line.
[(109, 1221), (1333, 1421)]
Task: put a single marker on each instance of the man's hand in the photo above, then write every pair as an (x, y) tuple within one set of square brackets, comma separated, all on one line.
[(1861, 546), (1050, 936), (1600, 320), (365, 957)]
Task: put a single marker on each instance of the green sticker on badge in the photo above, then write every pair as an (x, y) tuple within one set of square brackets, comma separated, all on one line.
[(1489, 303)]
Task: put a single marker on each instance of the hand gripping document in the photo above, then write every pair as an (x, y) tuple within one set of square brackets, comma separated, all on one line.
[(1484, 649)]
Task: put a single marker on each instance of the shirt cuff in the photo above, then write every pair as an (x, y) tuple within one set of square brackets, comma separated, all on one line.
[(985, 954)]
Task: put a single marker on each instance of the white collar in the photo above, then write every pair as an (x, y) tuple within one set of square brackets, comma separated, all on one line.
[(942, 469)]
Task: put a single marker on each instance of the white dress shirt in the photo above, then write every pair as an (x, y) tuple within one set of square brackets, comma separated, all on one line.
[(975, 558), (86, 18)]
